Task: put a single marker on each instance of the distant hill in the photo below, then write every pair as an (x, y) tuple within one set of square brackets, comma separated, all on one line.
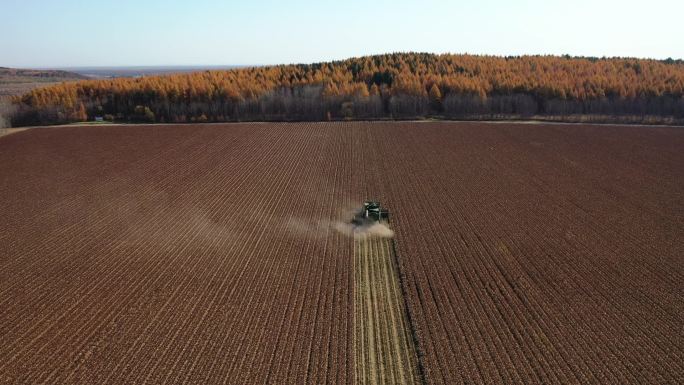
[(17, 81), (141, 71), (391, 86), (38, 73)]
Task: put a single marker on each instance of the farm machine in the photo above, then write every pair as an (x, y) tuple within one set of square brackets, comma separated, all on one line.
[(370, 213)]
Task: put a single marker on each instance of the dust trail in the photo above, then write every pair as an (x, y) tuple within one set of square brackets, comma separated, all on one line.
[(319, 228), (306, 227), (375, 230), (188, 224)]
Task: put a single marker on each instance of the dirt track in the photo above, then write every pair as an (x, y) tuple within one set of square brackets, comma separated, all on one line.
[(166, 254)]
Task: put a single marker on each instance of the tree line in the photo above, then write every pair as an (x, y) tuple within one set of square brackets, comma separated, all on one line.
[(399, 85)]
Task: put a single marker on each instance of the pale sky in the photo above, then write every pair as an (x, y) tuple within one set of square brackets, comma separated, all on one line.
[(66, 33)]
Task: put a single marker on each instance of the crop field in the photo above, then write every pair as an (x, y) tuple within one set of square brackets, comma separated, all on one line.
[(195, 254)]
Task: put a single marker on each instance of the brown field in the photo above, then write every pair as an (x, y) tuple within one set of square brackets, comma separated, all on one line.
[(210, 254), (17, 81)]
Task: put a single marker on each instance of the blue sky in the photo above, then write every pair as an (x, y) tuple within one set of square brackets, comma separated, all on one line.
[(52, 33)]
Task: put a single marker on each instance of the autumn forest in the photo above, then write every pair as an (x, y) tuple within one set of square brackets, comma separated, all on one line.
[(392, 86)]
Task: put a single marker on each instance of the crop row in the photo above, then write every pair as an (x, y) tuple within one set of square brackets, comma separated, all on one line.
[(180, 268), (512, 280), (208, 254)]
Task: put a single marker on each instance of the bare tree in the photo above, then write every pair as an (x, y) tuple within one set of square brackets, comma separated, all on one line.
[(6, 112)]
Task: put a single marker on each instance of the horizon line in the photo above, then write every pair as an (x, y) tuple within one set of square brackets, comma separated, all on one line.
[(173, 66)]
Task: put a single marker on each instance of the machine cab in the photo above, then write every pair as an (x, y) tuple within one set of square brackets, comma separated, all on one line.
[(371, 212)]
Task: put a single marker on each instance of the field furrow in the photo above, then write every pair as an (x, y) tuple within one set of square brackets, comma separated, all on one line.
[(217, 254)]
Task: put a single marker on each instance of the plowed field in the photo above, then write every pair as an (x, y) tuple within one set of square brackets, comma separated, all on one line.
[(525, 253)]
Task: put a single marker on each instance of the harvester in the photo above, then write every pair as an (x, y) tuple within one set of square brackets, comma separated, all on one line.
[(371, 212)]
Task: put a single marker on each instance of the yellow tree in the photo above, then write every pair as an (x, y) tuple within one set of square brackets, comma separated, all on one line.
[(435, 97)]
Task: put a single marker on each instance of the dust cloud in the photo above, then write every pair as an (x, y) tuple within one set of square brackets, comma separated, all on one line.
[(375, 230), (321, 227), (307, 227)]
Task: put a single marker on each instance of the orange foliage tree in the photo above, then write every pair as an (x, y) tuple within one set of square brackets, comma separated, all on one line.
[(399, 84)]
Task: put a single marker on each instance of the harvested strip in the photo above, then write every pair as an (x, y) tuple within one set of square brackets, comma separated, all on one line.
[(384, 349)]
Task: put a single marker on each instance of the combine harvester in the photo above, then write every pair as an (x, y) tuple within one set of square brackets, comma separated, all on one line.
[(371, 213)]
